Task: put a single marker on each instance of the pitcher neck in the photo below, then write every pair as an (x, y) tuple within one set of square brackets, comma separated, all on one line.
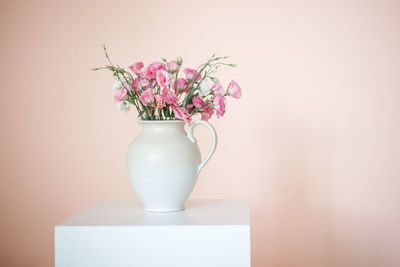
[(159, 125)]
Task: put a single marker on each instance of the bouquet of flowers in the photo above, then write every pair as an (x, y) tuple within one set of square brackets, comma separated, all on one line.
[(158, 93)]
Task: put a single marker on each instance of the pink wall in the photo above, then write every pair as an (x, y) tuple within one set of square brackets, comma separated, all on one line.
[(313, 143)]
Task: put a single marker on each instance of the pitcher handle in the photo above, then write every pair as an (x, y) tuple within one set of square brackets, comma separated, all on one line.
[(213, 145)]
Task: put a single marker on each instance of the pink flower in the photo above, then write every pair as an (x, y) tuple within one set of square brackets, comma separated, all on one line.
[(153, 84), (137, 85), (121, 95), (219, 105), (131, 88), (169, 97), (217, 88), (197, 101), (163, 78), (207, 113), (179, 85), (234, 89), (172, 66), (147, 97), (136, 67), (150, 72), (144, 82), (160, 102), (181, 113), (192, 74)]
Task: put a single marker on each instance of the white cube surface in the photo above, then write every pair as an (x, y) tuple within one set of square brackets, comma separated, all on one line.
[(119, 233)]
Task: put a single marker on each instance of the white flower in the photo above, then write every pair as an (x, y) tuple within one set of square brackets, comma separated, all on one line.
[(123, 105), (116, 85), (204, 89)]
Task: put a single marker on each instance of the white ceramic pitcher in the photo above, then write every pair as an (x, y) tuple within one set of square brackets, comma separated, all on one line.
[(164, 163)]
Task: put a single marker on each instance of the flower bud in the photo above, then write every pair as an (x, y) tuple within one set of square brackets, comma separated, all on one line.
[(213, 68), (179, 60)]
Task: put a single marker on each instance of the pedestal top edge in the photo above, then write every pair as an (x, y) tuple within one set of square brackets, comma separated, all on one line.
[(130, 213)]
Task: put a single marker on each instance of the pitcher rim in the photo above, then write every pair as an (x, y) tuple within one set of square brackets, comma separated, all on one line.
[(144, 122)]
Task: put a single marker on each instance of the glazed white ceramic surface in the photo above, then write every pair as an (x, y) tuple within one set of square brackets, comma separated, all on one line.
[(164, 162)]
